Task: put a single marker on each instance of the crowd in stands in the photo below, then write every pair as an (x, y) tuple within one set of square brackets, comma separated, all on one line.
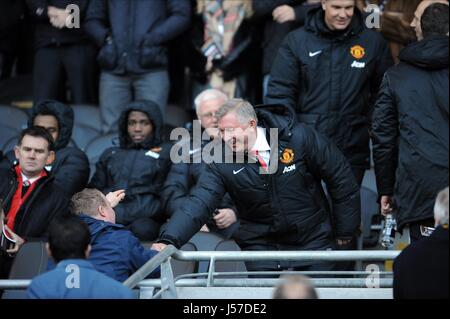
[(314, 70)]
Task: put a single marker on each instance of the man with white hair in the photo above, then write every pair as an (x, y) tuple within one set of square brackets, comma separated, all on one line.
[(421, 270), (184, 176)]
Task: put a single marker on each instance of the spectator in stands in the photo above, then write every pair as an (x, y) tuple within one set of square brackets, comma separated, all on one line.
[(281, 17), (115, 252), (329, 71), (133, 37), (410, 124), (282, 210), (68, 244), (11, 15), (31, 198), (421, 270), (395, 18), (62, 52), (222, 48), (139, 166), (71, 166), (184, 176), (295, 287)]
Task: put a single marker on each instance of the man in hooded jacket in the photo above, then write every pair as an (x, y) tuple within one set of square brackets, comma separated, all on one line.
[(71, 166), (139, 166)]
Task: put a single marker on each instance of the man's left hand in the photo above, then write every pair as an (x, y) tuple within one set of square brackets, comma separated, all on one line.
[(114, 198), (283, 14), (18, 242), (225, 218)]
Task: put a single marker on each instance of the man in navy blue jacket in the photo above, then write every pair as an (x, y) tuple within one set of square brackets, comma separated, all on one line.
[(74, 277), (115, 252), (133, 39)]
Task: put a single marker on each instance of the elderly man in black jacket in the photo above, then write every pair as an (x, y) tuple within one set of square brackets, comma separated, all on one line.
[(30, 197), (184, 176), (276, 188), (71, 165), (329, 71), (139, 166), (410, 124), (133, 39)]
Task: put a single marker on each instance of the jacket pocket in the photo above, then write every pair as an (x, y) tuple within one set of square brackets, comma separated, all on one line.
[(107, 57), (152, 56)]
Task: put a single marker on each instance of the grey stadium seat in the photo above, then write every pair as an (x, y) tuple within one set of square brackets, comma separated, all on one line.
[(96, 148), (204, 241), (7, 137), (31, 261), (82, 135), (87, 115), (13, 117)]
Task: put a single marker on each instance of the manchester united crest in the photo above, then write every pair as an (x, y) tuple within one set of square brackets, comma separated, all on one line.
[(288, 156), (358, 52)]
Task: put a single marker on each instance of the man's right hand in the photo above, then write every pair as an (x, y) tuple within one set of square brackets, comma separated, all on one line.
[(114, 198), (158, 246), (386, 205)]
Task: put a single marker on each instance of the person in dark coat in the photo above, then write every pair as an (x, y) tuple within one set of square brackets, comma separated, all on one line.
[(30, 197), (421, 269), (280, 18), (221, 48), (139, 166), (133, 38), (62, 51), (276, 188), (184, 176), (71, 165), (330, 71), (410, 125), (116, 252), (69, 245)]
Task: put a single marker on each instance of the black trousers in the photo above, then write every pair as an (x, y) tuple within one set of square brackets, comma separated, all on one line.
[(145, 229), (75, 63)]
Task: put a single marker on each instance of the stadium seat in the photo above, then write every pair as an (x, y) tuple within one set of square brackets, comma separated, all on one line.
[(31, 260), (96, 148), (87, 115), (370, 213), (205, 241), (13, 118), (82, 135), (7, 135), (180, 267)]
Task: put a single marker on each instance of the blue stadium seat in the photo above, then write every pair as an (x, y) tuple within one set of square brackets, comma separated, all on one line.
[(13, 118), (87, 115)]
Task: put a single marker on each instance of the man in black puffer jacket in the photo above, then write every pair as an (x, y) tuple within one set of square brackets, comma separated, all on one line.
[(139, 166), (285, 209), (410, 125), (133, 37), (329, 71), (71, 166)]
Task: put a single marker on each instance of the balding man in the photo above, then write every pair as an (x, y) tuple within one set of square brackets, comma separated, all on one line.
[(410, 124)]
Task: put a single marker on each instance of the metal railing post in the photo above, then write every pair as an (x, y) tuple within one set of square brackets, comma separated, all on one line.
[(169, 291)]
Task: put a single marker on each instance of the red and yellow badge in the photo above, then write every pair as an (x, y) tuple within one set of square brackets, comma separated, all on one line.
[(358, 52), (288, 156)]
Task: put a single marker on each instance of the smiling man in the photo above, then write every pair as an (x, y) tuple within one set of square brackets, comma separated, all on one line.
[(139, 166), (329, 71), (284, 210), (30, 197)]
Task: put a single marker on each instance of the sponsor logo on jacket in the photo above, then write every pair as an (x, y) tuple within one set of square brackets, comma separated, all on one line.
[(288, 169)]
